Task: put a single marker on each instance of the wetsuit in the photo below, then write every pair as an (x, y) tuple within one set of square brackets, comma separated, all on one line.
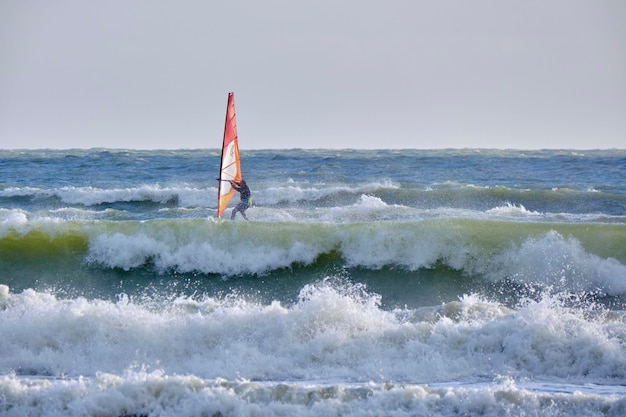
[(244, 193)]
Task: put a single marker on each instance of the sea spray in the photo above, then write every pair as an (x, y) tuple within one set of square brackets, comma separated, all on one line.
[(332, 333)]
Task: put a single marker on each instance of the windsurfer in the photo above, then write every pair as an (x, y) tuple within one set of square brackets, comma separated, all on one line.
[(244, 194)]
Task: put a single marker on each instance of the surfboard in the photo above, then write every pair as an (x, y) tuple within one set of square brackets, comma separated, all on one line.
[(230, 165)]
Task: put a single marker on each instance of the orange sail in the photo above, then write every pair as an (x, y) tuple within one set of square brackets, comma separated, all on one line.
[(230, 167)]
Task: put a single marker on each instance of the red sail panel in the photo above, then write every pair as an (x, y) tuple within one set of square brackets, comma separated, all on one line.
[(230, 167)]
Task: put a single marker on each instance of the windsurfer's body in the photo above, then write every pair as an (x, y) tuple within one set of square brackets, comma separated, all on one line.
[(244, 193)]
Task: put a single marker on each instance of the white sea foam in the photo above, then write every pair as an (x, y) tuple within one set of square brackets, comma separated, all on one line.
[(368, 208), (512, 210), (12, 217), (332, 333), (19, 191), (200, 251), (185, 196), (91, 196), (158, 394), (214, 247), (4, 296), (296, 192), (196, 353), (560, 262)]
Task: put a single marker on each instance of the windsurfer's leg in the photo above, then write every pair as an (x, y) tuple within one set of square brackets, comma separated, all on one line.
[(239, 208)]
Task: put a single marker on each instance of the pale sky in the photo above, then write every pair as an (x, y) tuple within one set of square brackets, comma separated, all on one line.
[(155, 74)]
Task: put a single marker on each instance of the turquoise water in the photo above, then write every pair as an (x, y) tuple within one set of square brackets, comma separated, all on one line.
[(441, 282)]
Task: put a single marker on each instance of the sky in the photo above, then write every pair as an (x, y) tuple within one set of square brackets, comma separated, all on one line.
[(365, 74)]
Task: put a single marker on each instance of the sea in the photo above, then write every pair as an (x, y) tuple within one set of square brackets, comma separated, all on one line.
[(454, 282)]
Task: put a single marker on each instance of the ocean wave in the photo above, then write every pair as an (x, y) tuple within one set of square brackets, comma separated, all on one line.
[(575, 257), (92, 196), (512, 209), (333, 332), (187, 196), (492, 200), (559, 262), (152, 393)]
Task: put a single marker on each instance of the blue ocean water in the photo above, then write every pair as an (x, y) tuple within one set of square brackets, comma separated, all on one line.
[(367, 282)]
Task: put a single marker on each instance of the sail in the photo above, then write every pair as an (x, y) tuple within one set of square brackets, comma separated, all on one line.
[(230, 167)]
